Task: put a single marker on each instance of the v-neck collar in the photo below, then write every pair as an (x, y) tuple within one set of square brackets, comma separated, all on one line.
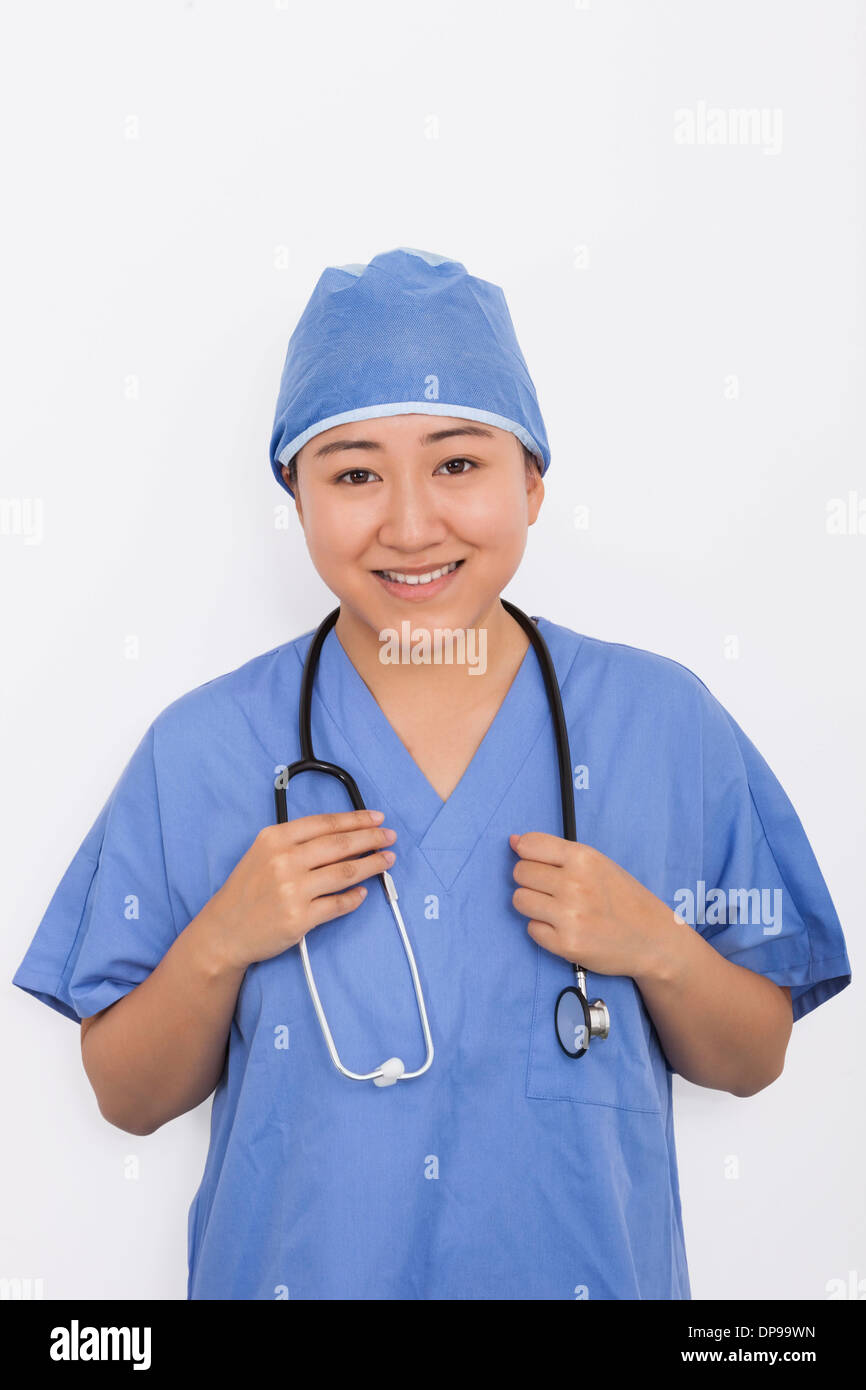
[(445, 832)]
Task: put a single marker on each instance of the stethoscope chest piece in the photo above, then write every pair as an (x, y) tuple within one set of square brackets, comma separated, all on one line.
[(576, 1020)]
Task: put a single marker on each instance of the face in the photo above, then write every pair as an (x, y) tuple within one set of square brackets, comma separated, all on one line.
[(408, 495)]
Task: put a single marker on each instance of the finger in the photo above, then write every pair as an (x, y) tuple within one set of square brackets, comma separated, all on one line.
[(329, 849), (537, 844), (546, 935), (334, 878), (544, 878), (298, 832), (336, 905), (539, 905)]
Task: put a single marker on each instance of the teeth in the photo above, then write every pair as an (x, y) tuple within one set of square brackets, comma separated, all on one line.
[(419, 578)]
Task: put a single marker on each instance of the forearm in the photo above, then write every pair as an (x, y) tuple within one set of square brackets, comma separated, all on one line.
[(719, 1024), (160, 1050)]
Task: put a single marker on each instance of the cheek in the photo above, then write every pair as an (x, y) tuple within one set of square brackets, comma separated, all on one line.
[(334, 533), (492, 516), (495, 521)]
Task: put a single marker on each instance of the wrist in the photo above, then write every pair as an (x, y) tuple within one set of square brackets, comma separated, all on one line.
[(211, 936), (667, 941)]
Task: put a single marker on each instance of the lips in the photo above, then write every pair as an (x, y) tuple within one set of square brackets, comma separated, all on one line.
[(423, 577), (415, 588)]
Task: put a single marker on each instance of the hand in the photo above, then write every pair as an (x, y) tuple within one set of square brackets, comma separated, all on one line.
[(290, 880), (586, 908)]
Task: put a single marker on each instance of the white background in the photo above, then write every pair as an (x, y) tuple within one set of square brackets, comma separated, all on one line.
[(178, 175)]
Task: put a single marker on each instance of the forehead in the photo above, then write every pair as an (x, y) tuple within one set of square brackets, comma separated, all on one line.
[(402, 431)]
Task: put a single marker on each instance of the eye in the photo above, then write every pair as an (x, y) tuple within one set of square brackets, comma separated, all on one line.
[(457, 472), (356, 475)]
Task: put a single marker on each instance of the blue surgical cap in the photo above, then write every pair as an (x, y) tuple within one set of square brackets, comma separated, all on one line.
[(409, 333)]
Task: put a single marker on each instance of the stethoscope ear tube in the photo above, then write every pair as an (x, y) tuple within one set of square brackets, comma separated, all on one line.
[(330, 770), (597, 1018), (393, 1069)]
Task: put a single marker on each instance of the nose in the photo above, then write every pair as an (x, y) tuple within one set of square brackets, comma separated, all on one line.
[(411, 519)]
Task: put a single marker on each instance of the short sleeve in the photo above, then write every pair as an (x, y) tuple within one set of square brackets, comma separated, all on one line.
[(110, 920), (762, 901)]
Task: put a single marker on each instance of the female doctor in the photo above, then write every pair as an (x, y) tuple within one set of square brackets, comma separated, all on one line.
[(504, 1164)]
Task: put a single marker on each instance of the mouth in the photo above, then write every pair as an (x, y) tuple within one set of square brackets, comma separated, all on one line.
[(418, 583)]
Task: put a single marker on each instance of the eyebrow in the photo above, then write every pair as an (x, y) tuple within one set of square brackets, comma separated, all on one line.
[(340, 444)]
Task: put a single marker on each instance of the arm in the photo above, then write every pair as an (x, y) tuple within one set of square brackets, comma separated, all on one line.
[(159, 1051), (720, 1024)]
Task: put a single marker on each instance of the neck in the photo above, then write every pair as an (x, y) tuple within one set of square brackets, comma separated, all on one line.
[(493, 647)]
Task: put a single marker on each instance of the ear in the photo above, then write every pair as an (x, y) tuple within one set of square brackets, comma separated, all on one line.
[(297, 497), (534, 492)]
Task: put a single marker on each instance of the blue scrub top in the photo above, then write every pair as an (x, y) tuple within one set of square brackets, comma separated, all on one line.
[(508, 1170)]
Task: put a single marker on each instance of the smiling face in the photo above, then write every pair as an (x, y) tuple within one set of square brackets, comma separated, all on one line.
[(408, 495)]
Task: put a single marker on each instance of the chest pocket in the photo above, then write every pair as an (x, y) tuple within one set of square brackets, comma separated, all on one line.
[(624, 1070)]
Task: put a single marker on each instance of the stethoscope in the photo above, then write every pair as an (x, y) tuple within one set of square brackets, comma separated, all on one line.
[(576, 1020)]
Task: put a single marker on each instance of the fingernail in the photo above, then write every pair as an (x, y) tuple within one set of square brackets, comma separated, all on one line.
[(377, 816), (390, 856)]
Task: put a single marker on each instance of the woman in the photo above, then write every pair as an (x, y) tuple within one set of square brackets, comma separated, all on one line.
[(409, 434)]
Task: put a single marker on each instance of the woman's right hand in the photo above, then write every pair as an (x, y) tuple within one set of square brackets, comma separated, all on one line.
[(293, 877)]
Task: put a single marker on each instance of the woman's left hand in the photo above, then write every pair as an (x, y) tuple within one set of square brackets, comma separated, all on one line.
[(587, 908)]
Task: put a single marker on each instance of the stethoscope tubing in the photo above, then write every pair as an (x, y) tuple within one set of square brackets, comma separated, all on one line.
[(308, 762)]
